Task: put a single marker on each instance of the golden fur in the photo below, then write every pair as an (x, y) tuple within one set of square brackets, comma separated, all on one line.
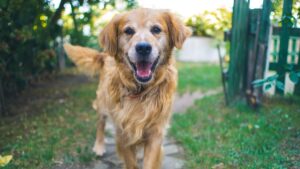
[(139, 111)]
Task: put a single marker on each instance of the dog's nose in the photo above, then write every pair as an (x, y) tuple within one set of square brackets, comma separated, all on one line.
[(143, 48)]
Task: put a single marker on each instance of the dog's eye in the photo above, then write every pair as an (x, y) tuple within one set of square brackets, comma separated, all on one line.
[(129, 31), (155, 30)]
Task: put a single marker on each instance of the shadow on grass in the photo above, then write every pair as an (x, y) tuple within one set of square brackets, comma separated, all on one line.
[(53, 123)]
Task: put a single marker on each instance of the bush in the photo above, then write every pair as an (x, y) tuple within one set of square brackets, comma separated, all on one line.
[(26, 42), (211, 23)]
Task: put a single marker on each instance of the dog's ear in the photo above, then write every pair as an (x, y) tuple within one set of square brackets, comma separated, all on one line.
[(108, 37), (178, 32), (88, 60)]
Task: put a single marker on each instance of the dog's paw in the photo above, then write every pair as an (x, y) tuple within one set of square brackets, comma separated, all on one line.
[(99, 149)]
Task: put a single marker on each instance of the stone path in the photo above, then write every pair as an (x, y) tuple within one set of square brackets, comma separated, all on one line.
[(173, 153), (185, 101)]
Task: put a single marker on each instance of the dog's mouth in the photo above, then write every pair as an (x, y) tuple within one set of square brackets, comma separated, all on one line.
[(143, 70)]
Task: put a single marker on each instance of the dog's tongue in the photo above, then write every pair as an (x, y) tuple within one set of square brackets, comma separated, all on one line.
[(143, 69)]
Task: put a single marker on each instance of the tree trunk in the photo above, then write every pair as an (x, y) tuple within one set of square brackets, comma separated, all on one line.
[(58, 12), (74, 18), (61, 54)]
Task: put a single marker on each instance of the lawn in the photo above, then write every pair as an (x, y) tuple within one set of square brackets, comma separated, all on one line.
[(195, 76), (59, 125), (238, 137), (61, 132)]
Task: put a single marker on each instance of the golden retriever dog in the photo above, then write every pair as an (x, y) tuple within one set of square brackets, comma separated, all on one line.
[(138, 79)]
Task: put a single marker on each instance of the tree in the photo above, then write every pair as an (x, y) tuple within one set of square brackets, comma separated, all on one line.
[(29, 29)]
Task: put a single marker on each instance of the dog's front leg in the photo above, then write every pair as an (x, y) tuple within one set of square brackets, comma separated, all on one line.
[(99, 146), (153, 152), (127, 153)]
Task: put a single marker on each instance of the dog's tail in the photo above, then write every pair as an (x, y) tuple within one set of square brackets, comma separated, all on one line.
[(88, 60)]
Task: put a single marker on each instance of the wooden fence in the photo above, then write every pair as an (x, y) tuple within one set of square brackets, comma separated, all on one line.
[(290, 59)]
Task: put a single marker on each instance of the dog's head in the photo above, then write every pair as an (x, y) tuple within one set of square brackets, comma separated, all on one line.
[(143, 39)]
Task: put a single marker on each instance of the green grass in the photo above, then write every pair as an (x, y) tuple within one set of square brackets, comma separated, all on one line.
[(60, 132), (239, 137), (64, 131), (198, 76)]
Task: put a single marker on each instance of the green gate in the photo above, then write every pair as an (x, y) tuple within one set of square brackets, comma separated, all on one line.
[(249, 43)]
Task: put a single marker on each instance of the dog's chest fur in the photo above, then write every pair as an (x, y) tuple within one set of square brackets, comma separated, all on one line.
[(137, 110)]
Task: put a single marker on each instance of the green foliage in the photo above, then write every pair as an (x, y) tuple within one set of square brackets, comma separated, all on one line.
[(211, 24), (276, 14), (29, 29), (25, 45), (77, 20), (237, 136)]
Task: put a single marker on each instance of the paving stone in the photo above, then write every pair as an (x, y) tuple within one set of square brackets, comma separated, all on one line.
[(168, 141), (110, 128), (171, 149), (140, 154), (114, 159), (172, 163), (110, 149), (100, 165), (110, 141)]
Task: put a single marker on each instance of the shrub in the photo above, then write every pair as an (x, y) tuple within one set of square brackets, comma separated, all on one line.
[(211, 23)]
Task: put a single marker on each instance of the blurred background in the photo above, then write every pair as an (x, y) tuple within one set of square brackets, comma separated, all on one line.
[(237, 103)]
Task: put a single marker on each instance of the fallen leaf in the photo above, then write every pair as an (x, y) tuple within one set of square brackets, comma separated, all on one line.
[(4, 160)]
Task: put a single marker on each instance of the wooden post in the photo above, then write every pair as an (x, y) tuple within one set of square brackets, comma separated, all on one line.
[(262, 48), (257, 50), (238, 51), (253, 44), (284, 43)]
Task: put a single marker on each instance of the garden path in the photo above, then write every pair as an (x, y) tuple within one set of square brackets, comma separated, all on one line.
[(173, 153)]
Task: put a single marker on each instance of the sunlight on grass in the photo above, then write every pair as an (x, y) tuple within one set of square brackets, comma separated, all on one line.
[(198, 76), (237, 136)]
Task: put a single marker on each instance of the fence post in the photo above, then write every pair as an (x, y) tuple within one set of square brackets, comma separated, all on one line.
[(263, 43), (253, 44), (297, 86), (238, 51), (284, 42)]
